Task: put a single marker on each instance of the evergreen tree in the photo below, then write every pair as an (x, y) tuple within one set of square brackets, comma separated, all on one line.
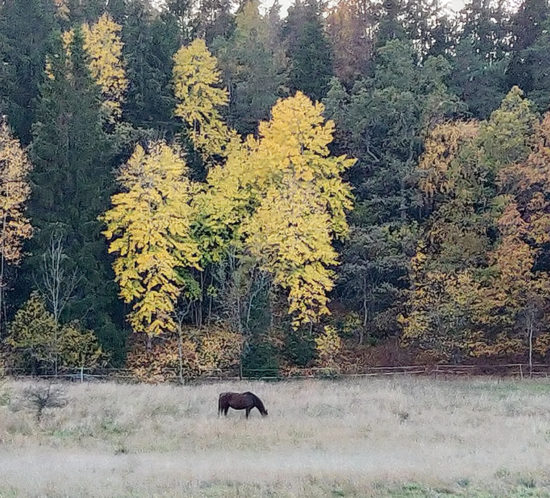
[(479, 66), (25, 30), (479, 82), (529, 67), (150, 41), (212, 19), (72, 182), (253, 67), (308, 49)]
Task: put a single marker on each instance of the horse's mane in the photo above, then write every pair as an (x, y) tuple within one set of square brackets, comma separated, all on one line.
[(257, 401)]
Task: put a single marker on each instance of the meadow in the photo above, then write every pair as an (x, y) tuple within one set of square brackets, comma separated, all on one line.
[(400, 437)]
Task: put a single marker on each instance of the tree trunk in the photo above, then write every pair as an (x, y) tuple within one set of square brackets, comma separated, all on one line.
[(180, 354), (530, 331)]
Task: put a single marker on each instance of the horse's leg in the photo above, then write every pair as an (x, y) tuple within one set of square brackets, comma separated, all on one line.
[(226, 410), (248, 412)]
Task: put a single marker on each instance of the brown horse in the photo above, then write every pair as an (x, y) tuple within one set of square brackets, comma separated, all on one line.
[(240, 401)]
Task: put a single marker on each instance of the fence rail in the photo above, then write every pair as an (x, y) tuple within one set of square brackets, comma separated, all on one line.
[(521, 370)]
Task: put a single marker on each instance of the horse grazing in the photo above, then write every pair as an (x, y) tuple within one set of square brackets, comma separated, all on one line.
[(240, 401)]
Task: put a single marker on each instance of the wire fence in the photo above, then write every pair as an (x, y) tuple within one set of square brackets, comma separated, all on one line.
[(517, 370)]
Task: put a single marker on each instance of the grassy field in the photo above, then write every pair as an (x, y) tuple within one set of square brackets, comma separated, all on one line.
[(405, 437)]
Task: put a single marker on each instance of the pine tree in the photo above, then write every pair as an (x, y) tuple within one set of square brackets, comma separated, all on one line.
[(529, 67), (150, 41), (479, 66)]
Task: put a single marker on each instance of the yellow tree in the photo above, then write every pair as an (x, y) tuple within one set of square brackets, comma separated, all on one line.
[(149, 227), (104, 47), (14, 193), (281, 200), (196, 86), (302, 204)]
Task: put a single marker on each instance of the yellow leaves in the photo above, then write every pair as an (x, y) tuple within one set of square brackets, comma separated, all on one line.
[(67, 38), (289, 234), (328, 346), (215, 348), (149, 227), (281, 199), (502, 346), (14, 193), (160, 363), (441, 152), (219, 349), (103, 44), (35, 332), (80, 348), (301, 204), (196, 78)]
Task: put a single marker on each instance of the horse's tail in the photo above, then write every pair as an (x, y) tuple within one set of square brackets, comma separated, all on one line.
[(220, 402), (258, 403)]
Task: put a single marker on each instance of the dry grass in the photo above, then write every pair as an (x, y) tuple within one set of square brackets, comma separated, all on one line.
[(375, 437)]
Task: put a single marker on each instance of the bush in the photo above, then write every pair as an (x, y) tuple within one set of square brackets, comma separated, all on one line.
[(160, 363), (40, 396), (215, 349)]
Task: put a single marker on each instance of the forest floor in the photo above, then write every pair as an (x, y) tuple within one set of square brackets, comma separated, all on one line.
[(397, 437)]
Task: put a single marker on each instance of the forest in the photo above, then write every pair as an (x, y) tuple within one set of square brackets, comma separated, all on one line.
[(198, 185)]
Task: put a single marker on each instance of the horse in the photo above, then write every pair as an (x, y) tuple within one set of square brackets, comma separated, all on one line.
[(240, 401)]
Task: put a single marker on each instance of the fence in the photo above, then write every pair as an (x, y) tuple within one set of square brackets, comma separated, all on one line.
[(521, 370)]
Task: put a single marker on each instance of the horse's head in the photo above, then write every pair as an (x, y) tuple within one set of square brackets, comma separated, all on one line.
[(264, 413)]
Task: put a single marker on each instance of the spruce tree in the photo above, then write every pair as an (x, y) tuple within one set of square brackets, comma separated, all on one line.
[(72, 182), (150, 41), (308, 50), (253, 67), (25, 29), (529, 66)]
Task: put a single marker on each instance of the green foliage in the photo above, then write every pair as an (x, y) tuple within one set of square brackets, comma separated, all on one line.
[(308, 50), (260, 359), (33, 334), (382, 120), (253, 67), (72, 154), (150, 42), (42, 345), (25, 30)]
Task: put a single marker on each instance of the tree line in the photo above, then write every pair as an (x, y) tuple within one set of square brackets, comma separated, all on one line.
[(201, 184)]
